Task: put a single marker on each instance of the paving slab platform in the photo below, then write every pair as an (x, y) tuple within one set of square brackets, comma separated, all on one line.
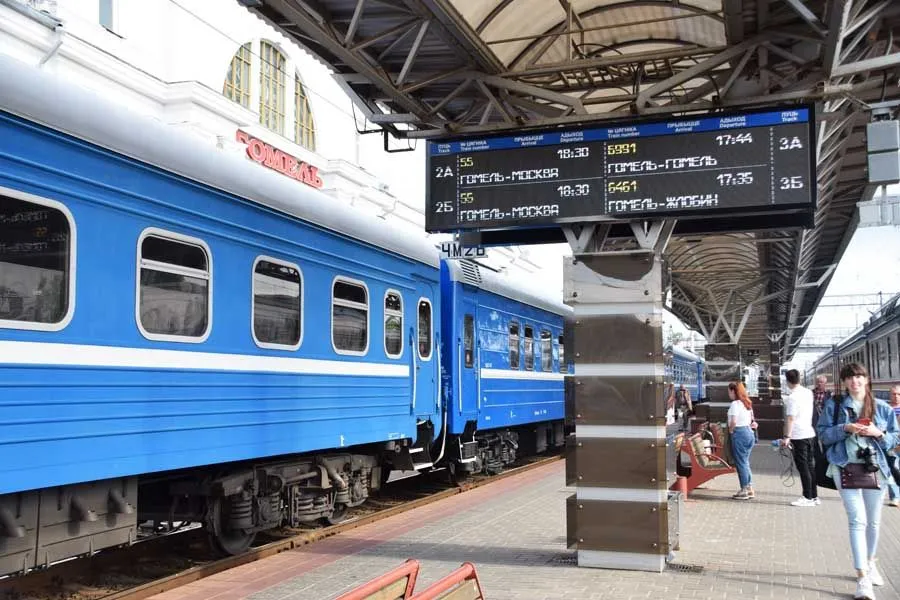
[(514, 532)]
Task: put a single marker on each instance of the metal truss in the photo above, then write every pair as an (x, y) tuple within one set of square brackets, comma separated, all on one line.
[(419, 69), (429, 68)]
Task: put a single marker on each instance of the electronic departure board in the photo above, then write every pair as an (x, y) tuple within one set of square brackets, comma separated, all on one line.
[(686, 168)]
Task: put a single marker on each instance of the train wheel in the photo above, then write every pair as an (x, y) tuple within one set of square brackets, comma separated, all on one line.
[(339, 514), (455, 475), (222, 517)]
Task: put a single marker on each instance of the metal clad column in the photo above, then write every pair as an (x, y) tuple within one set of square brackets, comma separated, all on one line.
[(763, 383), (618, 517), (723, 365), (775, 374)]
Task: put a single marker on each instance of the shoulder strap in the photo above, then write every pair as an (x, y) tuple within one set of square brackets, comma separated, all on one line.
[(837, 409)]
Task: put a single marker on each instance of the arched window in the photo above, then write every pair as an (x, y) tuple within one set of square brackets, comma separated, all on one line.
[(304, 127), (271, 87), (276, 111), (237, 81)]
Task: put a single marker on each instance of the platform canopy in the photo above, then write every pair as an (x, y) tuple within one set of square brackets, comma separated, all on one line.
[(432, 68)]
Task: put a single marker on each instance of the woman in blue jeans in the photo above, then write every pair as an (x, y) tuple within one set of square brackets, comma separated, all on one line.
[(863, 424), (741, 425)]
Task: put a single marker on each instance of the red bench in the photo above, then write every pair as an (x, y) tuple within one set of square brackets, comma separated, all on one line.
[(398, 584), (704, 464)]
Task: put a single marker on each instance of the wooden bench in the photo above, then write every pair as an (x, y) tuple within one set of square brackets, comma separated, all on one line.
[(721, 442), (461, 584), (399, 584), (704, 464)]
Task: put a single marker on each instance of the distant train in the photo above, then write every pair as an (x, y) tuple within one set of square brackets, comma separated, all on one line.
[(687, 369), (187, 337), (876, 345)]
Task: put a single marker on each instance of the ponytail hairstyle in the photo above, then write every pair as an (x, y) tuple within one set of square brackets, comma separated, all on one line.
[(740, 393), (852, 370)]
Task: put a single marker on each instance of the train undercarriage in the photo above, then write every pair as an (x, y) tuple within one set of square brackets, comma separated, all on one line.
[(235, 505), (490, 452), (235, 502)]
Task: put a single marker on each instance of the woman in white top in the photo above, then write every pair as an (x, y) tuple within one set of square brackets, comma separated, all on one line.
[(741, 426)]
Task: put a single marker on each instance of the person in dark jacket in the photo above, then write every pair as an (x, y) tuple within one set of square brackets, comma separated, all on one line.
[(865, 430)]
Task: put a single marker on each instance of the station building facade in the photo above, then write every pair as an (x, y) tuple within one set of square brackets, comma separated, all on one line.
[(220, 73)]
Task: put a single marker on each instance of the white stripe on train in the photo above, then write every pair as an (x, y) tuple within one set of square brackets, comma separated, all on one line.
[(83, 355), (514, 374)]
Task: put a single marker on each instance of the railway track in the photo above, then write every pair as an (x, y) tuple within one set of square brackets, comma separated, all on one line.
[(168, 562)]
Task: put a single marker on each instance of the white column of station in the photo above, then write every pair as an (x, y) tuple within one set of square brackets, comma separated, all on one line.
[(619, 516)]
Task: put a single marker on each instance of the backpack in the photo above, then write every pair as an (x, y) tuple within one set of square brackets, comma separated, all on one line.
[(822, 464)]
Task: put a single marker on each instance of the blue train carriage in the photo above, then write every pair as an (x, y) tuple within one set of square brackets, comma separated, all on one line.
[(187, 337), (827, 366), (687, 369), (877, 346), (504, 368), (883, 348)]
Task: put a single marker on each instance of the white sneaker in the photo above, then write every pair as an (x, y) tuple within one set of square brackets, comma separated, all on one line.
[(816, 501), (864, 589), (873, 574), (803, 502)]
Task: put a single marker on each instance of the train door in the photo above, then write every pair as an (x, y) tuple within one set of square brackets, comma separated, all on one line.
[(467, 398), (425, 365), (424, 346)]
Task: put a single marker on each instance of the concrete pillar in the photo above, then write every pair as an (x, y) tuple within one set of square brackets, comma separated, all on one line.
[(723, 366), (619, 517)]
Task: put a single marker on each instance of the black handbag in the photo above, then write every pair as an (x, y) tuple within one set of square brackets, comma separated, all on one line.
[(855, 477)]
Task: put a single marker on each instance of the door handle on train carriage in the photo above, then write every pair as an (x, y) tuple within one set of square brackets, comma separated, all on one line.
[(414, 368), (437, 369), (459, 370), (478, 375)]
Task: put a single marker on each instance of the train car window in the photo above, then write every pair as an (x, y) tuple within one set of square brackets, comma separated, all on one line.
[(393, 324), (513, 345), (37, 261), (174, 287), (277, 310), (349, 317), (529, 348), (546, 351), (891, 358), (563, 365), (896, 361), (469, 340), (424, 329)]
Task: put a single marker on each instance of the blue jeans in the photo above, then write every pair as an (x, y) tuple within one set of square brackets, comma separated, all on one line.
[(863, 508), (893, 490), (742, 441)]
